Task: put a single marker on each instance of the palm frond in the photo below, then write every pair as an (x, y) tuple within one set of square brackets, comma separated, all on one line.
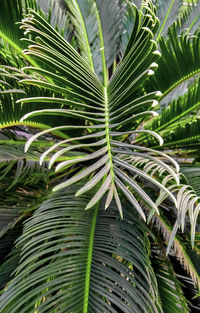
[(11, 112), (185, 135), (113, 104), (56, 14), (177, 112), (10, 14), (189, 16), (167, 12), (25, 167), (192, 174), (82, 17), (55, 272), (170, 291), (8, 267), (187, 201), (181, 249), (179, 62), (111, 14)]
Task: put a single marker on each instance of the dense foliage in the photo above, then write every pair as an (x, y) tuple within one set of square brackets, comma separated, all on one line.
[(99, 156)]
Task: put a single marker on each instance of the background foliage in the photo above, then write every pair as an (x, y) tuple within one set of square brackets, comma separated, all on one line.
[(91, 89)]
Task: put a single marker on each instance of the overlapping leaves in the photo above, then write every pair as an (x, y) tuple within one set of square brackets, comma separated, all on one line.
[(106, 109), (67, 283)]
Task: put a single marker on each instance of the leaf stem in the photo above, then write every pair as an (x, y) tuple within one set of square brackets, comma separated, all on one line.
[(166, 17), (105, 73), (108, 133), (17, 48), (86, 36), (89, 260)]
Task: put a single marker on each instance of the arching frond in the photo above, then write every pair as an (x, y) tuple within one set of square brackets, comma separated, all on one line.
[(8, 267), (179, 62), (178, 112), (11, 112), (106, 108), (125, 280), (187, 257)]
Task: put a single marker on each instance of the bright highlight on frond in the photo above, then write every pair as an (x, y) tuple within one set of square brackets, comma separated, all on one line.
[(110, 117)]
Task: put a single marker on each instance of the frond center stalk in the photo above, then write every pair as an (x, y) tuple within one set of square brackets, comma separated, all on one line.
[(108, 134), (89, 259)]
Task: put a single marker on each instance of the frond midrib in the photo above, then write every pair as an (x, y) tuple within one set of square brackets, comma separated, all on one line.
[(107, 128), (31, 124), (179, 82), (89, 259)]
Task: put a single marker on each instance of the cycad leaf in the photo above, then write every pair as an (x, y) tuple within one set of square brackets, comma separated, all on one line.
[(177, 113), (11, 111), (188, 257), (82, 16), (70, 254), (170, 292), (57, 15), (105, 107), (111, 14), (168, 14), (192, 174), (176, 51), (189, 16), (8, 266), (24, 168)]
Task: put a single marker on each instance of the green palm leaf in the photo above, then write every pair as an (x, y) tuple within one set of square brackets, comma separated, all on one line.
[(168, 12), (179, 62), (189, 15), (178, 114), (74, 261), (187, 257), (106, 108), (170, 291), (11, 112)]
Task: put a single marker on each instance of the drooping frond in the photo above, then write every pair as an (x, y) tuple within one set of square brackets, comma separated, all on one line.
[(187, 257), (49, 268), (187, 201), (8, 267), (25, 167), (106, 109), (23, 185)]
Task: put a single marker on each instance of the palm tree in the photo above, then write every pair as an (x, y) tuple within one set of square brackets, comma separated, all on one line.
[(99, 134)]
